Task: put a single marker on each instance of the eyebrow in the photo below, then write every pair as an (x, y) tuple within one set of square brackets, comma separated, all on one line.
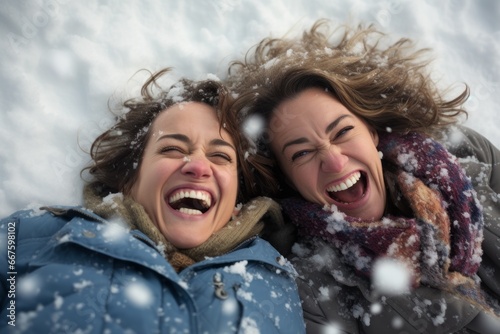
[(176, 136), (185, 139), (220, 142), (303, 140), (336, 122)]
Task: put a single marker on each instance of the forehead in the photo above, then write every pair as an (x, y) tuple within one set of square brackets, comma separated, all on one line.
[(309, 100), (184, 110), (308, 107), (191, 118)]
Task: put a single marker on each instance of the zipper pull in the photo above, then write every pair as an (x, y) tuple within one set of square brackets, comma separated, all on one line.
[(219, 287)]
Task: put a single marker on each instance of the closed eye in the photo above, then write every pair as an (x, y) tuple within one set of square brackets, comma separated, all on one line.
[(343, 131), (300, 154), (221, 158), (172, 151)]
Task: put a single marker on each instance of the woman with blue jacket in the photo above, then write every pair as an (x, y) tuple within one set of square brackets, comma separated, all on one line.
[(160, 245)]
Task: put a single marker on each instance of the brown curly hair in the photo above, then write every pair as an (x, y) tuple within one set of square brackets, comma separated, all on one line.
[(387, 86), (117, 153)]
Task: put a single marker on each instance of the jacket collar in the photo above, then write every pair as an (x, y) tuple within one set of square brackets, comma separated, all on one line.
[(91, 231)]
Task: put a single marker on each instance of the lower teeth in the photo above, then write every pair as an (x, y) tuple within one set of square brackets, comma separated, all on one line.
[(190, 211)]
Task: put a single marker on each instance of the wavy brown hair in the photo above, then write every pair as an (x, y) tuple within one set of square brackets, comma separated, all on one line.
[(117, 153), (387, 85)]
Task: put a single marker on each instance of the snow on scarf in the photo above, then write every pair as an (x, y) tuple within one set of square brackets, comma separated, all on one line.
[(441, 244)]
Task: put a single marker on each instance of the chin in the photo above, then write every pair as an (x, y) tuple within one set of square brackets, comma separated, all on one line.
[(374, 216), (187, 244)]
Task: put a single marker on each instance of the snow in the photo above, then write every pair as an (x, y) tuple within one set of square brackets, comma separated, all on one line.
[(229, 306), (115, 231), (28, 286), (249, 326), (332, 329), (376, 308), (324, 293), (245, 295), (110, 199), (78, 272), (240, 268), (58, 301), (253, 126), (397, 322), (391, 277), (62, 62), (139, 294), (440, 318), (300, 250), (82, 284)]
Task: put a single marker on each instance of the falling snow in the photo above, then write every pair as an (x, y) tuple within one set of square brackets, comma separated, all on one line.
[(253, 126), (29, 286), (390, 277), (139, 294)]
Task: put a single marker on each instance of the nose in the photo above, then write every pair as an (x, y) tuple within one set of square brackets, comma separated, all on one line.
[(333, 160), (196, 166)]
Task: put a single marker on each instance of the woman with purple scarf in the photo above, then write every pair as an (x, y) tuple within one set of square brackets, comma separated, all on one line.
[(374, 171)]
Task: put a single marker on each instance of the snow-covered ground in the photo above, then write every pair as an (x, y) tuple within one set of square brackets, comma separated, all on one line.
[(62, 61)]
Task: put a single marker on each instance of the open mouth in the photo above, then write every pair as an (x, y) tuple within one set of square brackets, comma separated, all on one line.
[(191, 202), (350, 190)]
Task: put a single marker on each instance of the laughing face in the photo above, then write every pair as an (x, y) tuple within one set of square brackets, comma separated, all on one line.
[(328, 154), (188, 178)]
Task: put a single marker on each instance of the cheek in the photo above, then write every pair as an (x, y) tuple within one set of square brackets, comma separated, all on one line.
[(304, 182), (153, 176), (370, 151), (227, 181), (232, 183)]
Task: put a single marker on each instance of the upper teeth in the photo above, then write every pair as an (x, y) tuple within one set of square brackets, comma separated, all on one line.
[(201, 195), (348, 183)]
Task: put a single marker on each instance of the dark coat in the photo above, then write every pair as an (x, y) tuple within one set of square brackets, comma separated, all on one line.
[(425, 310)]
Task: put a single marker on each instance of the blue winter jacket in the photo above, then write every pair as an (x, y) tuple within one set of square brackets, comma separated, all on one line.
[(75, 272)]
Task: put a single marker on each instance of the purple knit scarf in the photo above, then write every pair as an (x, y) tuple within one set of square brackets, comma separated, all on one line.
[(441, 243)]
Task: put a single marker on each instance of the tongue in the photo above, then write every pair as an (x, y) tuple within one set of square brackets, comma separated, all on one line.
[(350, 195), (190, 203)]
